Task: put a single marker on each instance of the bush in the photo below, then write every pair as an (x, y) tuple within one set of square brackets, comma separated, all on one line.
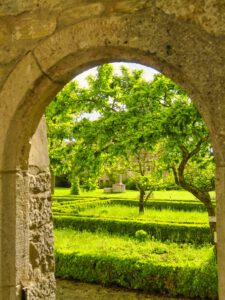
[(130, 184), (75, 186), (89, 185), (141, 235), (187, 280)]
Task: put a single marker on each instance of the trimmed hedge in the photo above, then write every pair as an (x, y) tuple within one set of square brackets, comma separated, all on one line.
[(197, 280), (156, 204), (165, 204), (179, 233), (77, 206)]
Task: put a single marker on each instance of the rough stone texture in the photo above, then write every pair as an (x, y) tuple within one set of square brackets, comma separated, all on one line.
[(41, 261), (44, 43)]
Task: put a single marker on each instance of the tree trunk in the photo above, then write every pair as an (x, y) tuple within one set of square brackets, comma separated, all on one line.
[(203, 196), (141, 201), (211, 213)]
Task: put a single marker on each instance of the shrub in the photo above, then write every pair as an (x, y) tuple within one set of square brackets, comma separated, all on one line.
[(89, 185), (141, 235), (196, 280), (130, 184), (75, 186)]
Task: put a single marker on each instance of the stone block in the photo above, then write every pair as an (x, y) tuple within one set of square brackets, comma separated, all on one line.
[(33, 26), (75, 14), (118, 188), (39, 147)]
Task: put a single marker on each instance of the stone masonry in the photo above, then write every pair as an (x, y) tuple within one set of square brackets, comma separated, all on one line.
[(41, 284), (44, 44)]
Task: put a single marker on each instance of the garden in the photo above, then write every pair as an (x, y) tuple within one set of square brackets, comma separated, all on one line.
[(136, 207), (102, 239)]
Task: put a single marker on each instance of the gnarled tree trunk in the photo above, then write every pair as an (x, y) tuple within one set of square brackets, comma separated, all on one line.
[(203, 196)]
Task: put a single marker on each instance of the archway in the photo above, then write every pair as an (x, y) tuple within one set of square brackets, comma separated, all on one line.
[(150, 38)]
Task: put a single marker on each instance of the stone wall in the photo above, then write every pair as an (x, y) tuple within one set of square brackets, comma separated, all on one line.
[(41, 283)]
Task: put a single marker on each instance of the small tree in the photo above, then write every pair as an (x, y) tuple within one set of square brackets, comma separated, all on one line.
[(143, 171), (75, 186)]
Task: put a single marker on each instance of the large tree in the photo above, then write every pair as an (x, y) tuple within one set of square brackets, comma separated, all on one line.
[(128, 125), (188, 153), (133, 117)]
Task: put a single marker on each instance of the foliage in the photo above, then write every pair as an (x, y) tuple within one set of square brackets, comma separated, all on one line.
[(187, 270), (188, 153), (113, 209), (141, 235), (125, 103), (149, 266), (59, 117), (138, 123), (75, 186), (89, 184), (165, 231)]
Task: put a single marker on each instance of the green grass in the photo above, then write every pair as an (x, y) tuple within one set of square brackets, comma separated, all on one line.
[(103, 243), (151, 214), (151, 266), (131, 195), (108, 252), (161, 231), (65, 192)]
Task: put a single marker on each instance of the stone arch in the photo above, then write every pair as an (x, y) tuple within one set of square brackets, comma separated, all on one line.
[(151, 38)]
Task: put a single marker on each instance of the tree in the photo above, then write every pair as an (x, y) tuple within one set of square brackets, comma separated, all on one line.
[(134, 116), (143, 170), (187, 150), (125, 104)]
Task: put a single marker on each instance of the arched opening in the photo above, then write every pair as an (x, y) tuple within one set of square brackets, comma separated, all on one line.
[(41, 73), (61, 202)]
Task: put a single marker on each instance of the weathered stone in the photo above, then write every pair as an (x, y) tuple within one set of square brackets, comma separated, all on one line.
[(133, 6), (209, 13), (41, 271), (33, 26), (37, 156), (4, 33), (75, 14)]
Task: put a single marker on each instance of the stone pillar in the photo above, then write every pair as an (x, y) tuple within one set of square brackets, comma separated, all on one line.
[(220, 195), (14, 261), (41, 259)]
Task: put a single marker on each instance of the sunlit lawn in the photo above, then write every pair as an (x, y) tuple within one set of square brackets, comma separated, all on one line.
[(131, 195), (151, 214), (102, 243)]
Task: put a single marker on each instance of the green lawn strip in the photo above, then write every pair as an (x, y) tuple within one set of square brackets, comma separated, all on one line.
[(180, 233), (107, 210), (157, 195), (110, 209), (150, 266)]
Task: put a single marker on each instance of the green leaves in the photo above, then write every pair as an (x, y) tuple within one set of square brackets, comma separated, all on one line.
[(133, 116)]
